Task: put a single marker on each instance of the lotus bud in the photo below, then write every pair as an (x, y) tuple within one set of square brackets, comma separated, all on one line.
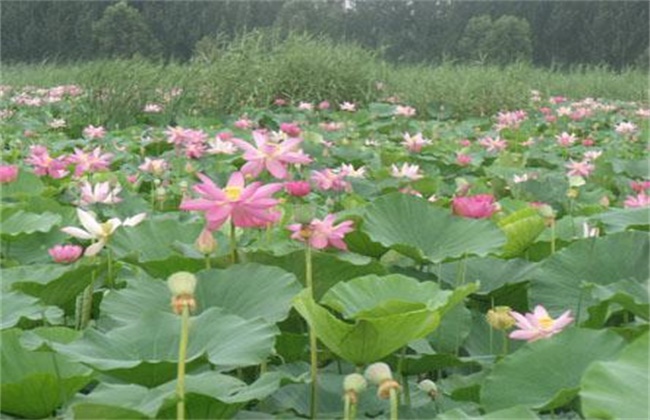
[(182, 285), (157, 182), (205, 243), (499, 318), (303, 214), (429, 387)]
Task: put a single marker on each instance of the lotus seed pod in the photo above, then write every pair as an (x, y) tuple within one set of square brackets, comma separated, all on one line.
[(182, 283), (354, 382), (378, 373), (429, 387), (499, 318)]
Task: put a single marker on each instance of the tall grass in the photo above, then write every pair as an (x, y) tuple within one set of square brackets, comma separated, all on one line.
[(255, 68)]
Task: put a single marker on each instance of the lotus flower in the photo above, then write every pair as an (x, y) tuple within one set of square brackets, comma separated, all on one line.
[(321, 233), (8, 173), (65, 253), (248, 206), (538, 324), (274, 156), (99, 232), (481, 206)]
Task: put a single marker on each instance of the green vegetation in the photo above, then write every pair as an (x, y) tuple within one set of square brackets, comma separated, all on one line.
[(259, 67)]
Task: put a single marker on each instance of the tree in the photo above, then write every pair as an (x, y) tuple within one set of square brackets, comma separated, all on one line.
[(502, 41), (123, 33)]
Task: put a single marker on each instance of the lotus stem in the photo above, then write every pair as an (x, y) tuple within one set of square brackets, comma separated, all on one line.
[(393, 404), (553, 236), (313, 349), (400, 369), (182, 355), (84, 307), (349, 407), (208, 265), (233, 243), (109, 270)]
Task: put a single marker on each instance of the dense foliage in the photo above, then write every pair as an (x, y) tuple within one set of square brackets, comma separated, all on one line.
[(613, 33), (494, 265)]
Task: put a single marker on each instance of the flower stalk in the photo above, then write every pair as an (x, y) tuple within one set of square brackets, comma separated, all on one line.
[(313, 344), (182, 285)]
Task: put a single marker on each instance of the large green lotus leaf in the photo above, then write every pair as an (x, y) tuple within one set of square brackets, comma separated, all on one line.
[(560, 281), (546, 374), (328, 269), (517, 412), (453, 330), (25, 186), (248, 290), (375, 333), (617, 220), (38, 273), (626, 294), (521, 228), (23, 222), (208, 395), (296, 397), (29, 249), (356, 297), (151, 344), (492, 273), (154, 239), (413, 227), (16, 306), (35, 383), (618, 389), (59, 287)]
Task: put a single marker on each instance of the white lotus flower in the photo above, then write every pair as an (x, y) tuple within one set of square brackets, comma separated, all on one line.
[(99, 232)]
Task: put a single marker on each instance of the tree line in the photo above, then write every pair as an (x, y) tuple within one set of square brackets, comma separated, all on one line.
[(545, 33)]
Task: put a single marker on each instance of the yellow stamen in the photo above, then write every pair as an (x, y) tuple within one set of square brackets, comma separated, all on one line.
[(232, 193), (545, 322)]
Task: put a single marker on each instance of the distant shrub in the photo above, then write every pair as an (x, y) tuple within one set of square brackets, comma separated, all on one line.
[(123, 33)]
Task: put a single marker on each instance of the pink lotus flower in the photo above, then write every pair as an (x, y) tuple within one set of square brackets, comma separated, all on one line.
[(331, 126), (291, 129), (329, 179), (320, 234), (154, 166), (463, 159), (405, 111), (481, 206), (297, 188), (247, 206), (640, 200), (274, 156), (305, 106), (640, 186), (280, 102), (324, 105), (493, 144), (218, 146), (565, 139), (588, 142), (411, 172), (626, 128), (415, 143), (510, 119), (44, 164), (244, 123), (583, 168), (93, 132), (100, 193), (65, 253), (89, 162), (538, 324), (8, 173), (348, 170)]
